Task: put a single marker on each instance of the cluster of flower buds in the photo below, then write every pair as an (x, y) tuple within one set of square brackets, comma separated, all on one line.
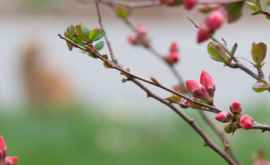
[(140, 38), (204, 89), (212, 23), (235, 118), (174, 55), (4, 159)]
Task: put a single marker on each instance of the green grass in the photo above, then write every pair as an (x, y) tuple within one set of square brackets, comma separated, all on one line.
[(76, 137)]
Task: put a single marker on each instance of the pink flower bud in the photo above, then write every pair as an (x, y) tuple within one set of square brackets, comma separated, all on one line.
[(173, 58), (246, 121), (223, 116), (208, 82), (132, 40), (3, 147), (174, 47), (236, 107), (192, 85), (141, 30), (215, 20), (11, 160), (196, 89), (203, 34), (189, 4)]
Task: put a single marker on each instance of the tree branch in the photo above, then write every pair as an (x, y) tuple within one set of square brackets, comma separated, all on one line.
[(220, 134), (186, 118), (136, 79), (208, 142)]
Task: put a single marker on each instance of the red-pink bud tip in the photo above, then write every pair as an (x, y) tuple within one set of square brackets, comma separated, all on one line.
[(141, 30), (192, 85), (196, 89), (215, 20), (174, 47), (236, 107), (208, 82), (189, 4), (173, 58), (11, 160), (222, 116), (132, 40), (3, 147), (203, 34), (246, 121)]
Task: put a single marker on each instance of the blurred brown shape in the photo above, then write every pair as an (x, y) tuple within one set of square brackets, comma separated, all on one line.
[(42, 84), (260, 158)]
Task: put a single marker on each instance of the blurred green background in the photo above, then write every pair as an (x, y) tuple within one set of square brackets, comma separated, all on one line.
[(78, 136)]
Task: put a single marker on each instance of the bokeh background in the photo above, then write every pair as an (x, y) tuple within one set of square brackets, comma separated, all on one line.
[(60, 107)]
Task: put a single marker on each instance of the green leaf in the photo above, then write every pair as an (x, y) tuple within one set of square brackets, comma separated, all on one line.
[(216, 53), (70, 34), (260, 87), (121, 11), (229, 128), (99, 45), (178, 2), (265, 5), (85, 32), (253, 6), (96, 34), (174, 99), (258, 52), (234, 10)]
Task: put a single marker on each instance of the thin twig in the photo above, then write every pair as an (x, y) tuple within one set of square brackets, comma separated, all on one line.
[(152, 50), (221, 135), (262, 127), (133, 5), (102, 27)]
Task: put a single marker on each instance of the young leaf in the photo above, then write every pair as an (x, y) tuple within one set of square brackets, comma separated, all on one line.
[(253, 6), (230, 128), (234, 10), (174, 99), (85, 32), (260, 87), (265, 5), (258, 52), (216, 53), (121, 11), (96, 34), (99, 45)]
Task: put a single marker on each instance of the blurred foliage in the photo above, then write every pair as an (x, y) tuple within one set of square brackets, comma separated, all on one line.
[(79, 136), (37, 5)]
